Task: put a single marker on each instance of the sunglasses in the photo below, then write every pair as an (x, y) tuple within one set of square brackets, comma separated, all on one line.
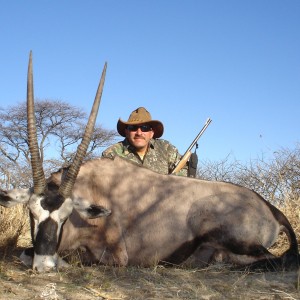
[(144, 128)]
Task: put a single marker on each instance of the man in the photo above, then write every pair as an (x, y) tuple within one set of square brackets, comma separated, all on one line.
[(143, 146)]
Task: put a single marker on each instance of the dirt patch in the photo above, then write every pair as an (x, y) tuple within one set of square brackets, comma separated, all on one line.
[(101, 282)]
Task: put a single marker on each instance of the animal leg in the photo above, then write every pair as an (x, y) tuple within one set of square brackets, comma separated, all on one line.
[(116, 244), (201, 258), (100, 255), (239, 259)]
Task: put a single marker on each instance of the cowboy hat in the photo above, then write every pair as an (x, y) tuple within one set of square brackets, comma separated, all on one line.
[(138, 117)]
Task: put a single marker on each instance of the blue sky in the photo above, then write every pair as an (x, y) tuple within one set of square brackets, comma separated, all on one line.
[(237, 62)]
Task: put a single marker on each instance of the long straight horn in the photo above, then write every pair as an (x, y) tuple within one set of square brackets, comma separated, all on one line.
[(39, 180), (66, 187)]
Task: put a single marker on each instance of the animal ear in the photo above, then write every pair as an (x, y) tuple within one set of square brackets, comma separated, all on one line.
[(95, 211), (14, 197)]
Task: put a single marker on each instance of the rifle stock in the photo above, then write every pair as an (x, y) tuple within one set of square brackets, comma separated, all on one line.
[(184, 159), (188, 152)]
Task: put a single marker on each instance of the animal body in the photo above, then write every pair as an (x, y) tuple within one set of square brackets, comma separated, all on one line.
[(161, 218), (124, 214)]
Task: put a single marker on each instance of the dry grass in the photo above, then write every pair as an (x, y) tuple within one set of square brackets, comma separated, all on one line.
[(15, 226), (101, 282)]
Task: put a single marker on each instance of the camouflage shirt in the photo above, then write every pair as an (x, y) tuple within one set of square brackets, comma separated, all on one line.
[(161, 156)]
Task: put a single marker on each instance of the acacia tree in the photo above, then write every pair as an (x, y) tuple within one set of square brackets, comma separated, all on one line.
[(60, 128)]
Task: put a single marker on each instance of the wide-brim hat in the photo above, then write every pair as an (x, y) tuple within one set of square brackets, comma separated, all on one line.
[(138, 117)]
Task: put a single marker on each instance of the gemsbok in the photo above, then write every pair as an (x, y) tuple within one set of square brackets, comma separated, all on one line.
[(123, 214)]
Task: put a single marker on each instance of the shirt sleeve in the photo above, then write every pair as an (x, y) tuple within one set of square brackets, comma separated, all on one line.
[(113, 151)]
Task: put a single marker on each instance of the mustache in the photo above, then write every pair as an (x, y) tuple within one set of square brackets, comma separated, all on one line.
[(140, 136)]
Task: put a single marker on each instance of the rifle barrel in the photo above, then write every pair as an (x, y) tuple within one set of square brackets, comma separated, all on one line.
[(185, 157), (208, 121)]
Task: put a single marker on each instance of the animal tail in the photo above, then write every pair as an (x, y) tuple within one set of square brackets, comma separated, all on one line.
[(290, 259), (287, 262)]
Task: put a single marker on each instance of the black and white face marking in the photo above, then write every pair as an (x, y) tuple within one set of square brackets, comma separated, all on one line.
[(48, 212)]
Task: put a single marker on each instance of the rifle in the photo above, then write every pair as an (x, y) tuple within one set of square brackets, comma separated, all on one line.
[(180, 164)]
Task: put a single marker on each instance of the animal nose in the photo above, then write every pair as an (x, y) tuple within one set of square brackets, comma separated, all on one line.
[(44, 263)]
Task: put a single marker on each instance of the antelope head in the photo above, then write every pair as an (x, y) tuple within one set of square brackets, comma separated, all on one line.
[(49, 209)]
